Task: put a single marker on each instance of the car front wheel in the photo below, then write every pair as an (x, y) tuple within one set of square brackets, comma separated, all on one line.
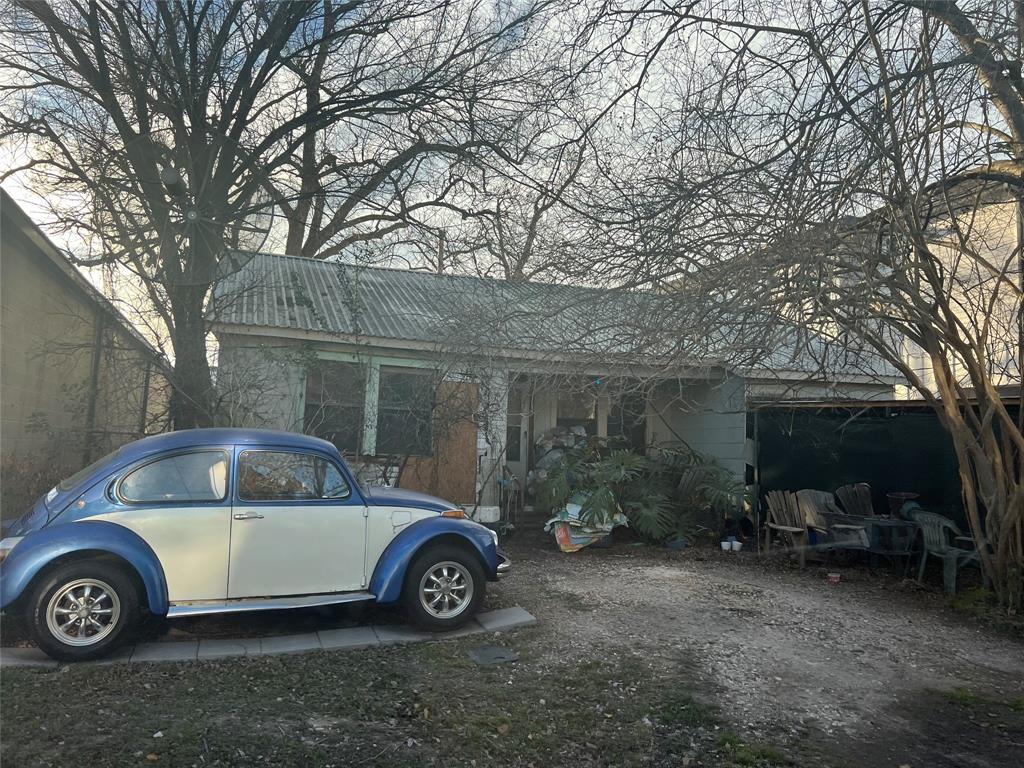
[(444, 587), (83, 610)]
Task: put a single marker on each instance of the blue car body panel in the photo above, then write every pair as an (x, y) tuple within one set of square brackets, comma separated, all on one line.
[(389, 574), (41, 547), (382, 496), (59, 523)]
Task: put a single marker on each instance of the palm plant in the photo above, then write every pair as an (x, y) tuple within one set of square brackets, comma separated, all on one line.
[(659, 494)]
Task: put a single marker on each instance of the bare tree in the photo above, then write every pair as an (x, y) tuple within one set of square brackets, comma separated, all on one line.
[(849, 171), (166, 134)]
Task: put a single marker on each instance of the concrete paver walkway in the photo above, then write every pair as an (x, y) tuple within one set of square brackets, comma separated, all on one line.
[(350, 638)]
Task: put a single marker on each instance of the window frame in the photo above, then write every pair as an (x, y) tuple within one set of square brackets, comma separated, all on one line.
[(352, 498), (120, 498)]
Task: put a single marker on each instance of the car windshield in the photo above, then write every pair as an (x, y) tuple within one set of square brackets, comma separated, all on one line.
[(66, 485)]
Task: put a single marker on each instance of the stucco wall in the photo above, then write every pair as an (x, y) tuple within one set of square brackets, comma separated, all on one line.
[(50, 330)]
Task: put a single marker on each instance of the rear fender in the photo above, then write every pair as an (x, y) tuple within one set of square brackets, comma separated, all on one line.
[(389, 575), (41, 548)]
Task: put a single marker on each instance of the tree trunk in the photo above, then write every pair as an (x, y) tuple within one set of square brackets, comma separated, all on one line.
[(192, 393)]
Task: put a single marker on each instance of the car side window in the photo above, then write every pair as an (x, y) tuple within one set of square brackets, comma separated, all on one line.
[(188, 477), (287, 476)]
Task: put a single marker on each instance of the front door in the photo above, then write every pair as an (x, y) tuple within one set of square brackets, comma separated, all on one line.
[(297, 528)]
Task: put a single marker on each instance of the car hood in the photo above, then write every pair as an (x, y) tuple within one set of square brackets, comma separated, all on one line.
[(32, 520), (381, 496)]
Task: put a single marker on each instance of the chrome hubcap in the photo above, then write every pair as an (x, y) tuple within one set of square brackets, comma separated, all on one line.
[(446, 590), (83, 612)]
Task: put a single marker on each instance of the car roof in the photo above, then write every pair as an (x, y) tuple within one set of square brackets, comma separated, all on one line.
[(197, 438)]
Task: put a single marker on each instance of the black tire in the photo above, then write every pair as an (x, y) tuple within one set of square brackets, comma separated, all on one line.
[(123, 618), (424, 563)]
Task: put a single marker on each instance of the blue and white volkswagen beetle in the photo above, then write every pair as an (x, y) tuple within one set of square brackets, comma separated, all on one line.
[(222, 520)]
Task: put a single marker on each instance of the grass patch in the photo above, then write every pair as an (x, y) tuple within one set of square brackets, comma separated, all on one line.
[(416, 705), (972, 600), (965, 697), (740, 753), (680, 708)]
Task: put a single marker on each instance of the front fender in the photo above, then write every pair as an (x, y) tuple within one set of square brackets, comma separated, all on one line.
[(39, 548), (388, 576)]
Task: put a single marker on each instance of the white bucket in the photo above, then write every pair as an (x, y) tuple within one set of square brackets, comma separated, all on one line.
[(726, 546), (737, 546)]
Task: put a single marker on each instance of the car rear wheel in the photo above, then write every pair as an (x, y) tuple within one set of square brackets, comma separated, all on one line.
[(444, 587), (83, 610)]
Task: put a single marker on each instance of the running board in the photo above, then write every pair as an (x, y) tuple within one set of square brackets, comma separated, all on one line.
[(199, 607)]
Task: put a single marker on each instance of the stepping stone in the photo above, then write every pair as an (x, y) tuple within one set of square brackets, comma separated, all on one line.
[(166, 651), (389, 635), (307, 641), (489, 655), (26, 657), (505, 618), (347, 639), (224, 649)]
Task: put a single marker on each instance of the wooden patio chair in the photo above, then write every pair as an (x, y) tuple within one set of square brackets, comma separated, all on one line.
[(856, 499), (938, 533), (784, 517), (837, 530)]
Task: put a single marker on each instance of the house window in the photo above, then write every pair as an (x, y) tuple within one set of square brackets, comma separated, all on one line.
[(404, 412), (334, 403)]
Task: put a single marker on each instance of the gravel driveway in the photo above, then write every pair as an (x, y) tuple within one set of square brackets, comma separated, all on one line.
[(874, 668)]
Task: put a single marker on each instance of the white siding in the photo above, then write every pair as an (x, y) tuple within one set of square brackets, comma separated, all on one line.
[(708, 416)]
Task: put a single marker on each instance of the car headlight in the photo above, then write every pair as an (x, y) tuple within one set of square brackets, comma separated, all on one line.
[(494, 535), (6, 545)]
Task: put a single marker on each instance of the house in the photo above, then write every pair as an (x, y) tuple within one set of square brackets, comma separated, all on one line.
[(77, 379), (975, 228), (443, 383)]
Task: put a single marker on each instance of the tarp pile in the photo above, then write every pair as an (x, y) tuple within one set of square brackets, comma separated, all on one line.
[(572, 533)]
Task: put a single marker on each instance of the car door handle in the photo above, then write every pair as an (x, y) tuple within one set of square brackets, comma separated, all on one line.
[(248, 516)]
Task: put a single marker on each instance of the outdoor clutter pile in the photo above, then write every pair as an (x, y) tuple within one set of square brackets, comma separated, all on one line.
[(846, 522), (590, 484), (571, 532), (550, 448)]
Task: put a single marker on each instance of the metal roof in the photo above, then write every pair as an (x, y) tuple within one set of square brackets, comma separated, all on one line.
[(475, 314), (462, 311)]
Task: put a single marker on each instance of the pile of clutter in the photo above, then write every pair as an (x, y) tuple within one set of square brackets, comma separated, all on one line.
[(572, 533), (549, 448)]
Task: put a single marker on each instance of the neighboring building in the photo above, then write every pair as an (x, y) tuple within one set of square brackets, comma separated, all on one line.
[(76, 379), (977, 230), (448, 381)]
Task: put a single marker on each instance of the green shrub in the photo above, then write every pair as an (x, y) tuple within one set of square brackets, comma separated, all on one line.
[(660, 494)]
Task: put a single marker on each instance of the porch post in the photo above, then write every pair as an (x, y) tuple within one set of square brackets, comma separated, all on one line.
[(370, 395), (491, 444)]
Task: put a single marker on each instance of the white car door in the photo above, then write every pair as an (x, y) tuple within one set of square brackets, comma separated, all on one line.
[(297, 527)]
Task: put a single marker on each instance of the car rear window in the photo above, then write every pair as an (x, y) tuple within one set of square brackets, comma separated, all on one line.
[(185, 477)]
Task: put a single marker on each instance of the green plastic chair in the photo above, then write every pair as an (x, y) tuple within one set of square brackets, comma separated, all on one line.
[(938, 533)]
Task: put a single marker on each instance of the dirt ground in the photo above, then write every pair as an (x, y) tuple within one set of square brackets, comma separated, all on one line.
[(872, 671), (642, 657)]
